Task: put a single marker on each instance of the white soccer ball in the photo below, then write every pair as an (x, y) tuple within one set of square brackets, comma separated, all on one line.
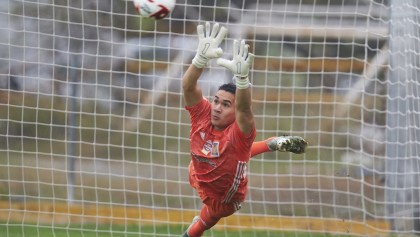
[(157, 9)]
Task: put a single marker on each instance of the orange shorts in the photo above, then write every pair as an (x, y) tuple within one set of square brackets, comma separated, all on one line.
[(215, 207), (218, 209)]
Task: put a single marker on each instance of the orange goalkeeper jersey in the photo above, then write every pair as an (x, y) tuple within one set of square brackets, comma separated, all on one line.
[(218, 158)]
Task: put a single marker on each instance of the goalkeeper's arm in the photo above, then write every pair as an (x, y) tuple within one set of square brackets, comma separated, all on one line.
[(209, 39)]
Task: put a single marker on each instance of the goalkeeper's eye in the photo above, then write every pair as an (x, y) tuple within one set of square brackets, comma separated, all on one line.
[(226, 104)]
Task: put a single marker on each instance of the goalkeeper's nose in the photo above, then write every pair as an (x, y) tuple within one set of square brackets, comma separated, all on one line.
[(217, 108)]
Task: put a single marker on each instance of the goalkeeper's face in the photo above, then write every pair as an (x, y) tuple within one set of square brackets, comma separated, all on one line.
[(222, 109)]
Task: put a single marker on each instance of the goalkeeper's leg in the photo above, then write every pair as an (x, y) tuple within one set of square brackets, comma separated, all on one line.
[(294, 144), (211, 212), (260, 147)]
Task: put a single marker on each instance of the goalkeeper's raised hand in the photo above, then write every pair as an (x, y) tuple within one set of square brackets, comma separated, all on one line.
[(208, 45), (240, 64)]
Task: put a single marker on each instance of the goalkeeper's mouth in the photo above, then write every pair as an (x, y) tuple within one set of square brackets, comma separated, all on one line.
[(215, 117)]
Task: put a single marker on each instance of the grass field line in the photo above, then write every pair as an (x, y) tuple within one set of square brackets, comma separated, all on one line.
[(55, 213)]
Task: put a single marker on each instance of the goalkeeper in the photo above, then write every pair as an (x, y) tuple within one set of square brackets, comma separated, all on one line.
[(223, 131)]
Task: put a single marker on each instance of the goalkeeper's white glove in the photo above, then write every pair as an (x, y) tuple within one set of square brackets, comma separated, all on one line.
[(240, 64), (208, 45)]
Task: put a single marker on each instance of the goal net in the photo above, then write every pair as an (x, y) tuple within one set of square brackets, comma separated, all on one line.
[(94, 136)]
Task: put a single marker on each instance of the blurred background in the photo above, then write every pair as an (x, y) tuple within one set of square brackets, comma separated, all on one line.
[(91, 111)]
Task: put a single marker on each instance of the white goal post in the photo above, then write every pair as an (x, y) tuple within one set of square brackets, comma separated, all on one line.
[(94, 134)]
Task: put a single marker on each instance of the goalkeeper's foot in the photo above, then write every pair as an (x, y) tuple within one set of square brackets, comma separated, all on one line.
[(195, 220), (294, 144)]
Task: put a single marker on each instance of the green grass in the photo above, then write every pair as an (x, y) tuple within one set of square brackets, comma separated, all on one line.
[(19, 230)]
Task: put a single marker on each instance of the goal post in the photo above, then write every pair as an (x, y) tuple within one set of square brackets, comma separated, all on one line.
[(94, 133), (403, 162)]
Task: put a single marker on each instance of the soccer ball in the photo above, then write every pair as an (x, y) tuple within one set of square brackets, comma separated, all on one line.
[(157, 9)]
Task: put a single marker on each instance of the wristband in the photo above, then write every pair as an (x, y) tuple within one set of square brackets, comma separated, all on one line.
[(241, 83), (200, 61)]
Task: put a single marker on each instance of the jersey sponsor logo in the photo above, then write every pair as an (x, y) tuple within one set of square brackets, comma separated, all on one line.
[(207, 147), (211, 147), (203, 160), (215, 149)]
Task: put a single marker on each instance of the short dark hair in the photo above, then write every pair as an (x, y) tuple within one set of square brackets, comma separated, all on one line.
[(229, 87)]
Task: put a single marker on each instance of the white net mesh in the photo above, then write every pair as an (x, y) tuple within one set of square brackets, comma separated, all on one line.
[(94, 135)]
